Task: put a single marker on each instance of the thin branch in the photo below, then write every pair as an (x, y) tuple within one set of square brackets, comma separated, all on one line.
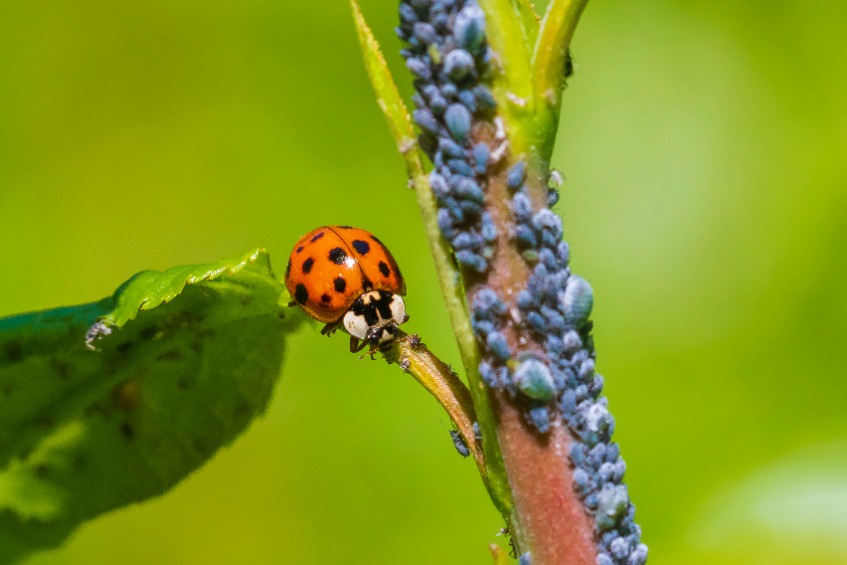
[(410, 353), (548, 65)]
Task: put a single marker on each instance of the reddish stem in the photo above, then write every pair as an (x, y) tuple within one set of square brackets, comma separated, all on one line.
[(548, 518)]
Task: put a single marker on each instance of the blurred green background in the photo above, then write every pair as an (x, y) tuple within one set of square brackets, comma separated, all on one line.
[(705, 147)]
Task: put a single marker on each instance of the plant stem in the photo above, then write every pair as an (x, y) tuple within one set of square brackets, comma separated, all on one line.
[(548, 519), (454, 298), (443, 383), (449, 279), (548, 64)]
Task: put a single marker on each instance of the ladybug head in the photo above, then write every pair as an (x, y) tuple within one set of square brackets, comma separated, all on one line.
[(374, 316)]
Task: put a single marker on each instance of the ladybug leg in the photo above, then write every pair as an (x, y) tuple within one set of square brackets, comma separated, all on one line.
[(330, 328), (370, 352), (356, 346)]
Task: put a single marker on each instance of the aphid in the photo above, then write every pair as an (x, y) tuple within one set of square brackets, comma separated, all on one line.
[(498, 346), (459, 443), (576, 301), (516, 175), (347, 278), (97, 331), (533, 378), (469, 27), (458, 121), (556, 179), (458, 64)]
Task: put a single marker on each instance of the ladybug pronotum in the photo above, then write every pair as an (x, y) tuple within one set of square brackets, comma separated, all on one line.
[(347, 278)]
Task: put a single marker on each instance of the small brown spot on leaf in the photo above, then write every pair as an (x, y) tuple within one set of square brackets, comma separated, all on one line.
[(200, 444), (126, 396), (170, 355), (60, 367), (148, 333), (44, 422), (14, 350)]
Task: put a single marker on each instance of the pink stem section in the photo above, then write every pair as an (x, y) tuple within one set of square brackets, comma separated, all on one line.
[(549, 519)]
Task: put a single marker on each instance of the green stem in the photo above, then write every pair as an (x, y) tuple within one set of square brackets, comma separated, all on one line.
[(443, 383), (512, 86), (395, 111), (454, 299), (548, 68)]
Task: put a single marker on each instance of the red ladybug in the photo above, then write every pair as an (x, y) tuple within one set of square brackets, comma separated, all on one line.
[(347, 278)]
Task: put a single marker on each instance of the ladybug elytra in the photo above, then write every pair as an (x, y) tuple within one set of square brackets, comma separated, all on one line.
[(347, 278)]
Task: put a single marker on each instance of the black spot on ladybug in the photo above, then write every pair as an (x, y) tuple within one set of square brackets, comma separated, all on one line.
[(366, 283), (288, 268), (340, 284), (301, 295), (362, 247), (316, 237), (299, 249), (325, 298), (337, 256), (307, 265), (383, 268)]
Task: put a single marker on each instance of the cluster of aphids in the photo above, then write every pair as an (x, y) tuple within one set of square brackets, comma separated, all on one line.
[(448, 55), (447, 52), (554, 306)]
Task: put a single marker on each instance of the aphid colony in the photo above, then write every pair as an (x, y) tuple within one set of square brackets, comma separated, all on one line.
[(346, 277), (448, 54)]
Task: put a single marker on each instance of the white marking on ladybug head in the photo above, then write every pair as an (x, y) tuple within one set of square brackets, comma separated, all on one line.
[(398, 309), (355, 325), (375, 315)]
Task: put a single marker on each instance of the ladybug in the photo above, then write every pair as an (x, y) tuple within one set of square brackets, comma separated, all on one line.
[(347, 278)]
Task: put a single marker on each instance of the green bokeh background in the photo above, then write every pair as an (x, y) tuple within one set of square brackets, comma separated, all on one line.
[(705, 147)]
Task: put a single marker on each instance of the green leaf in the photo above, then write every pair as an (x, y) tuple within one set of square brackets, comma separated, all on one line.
[(387, 95), (183, 361)]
